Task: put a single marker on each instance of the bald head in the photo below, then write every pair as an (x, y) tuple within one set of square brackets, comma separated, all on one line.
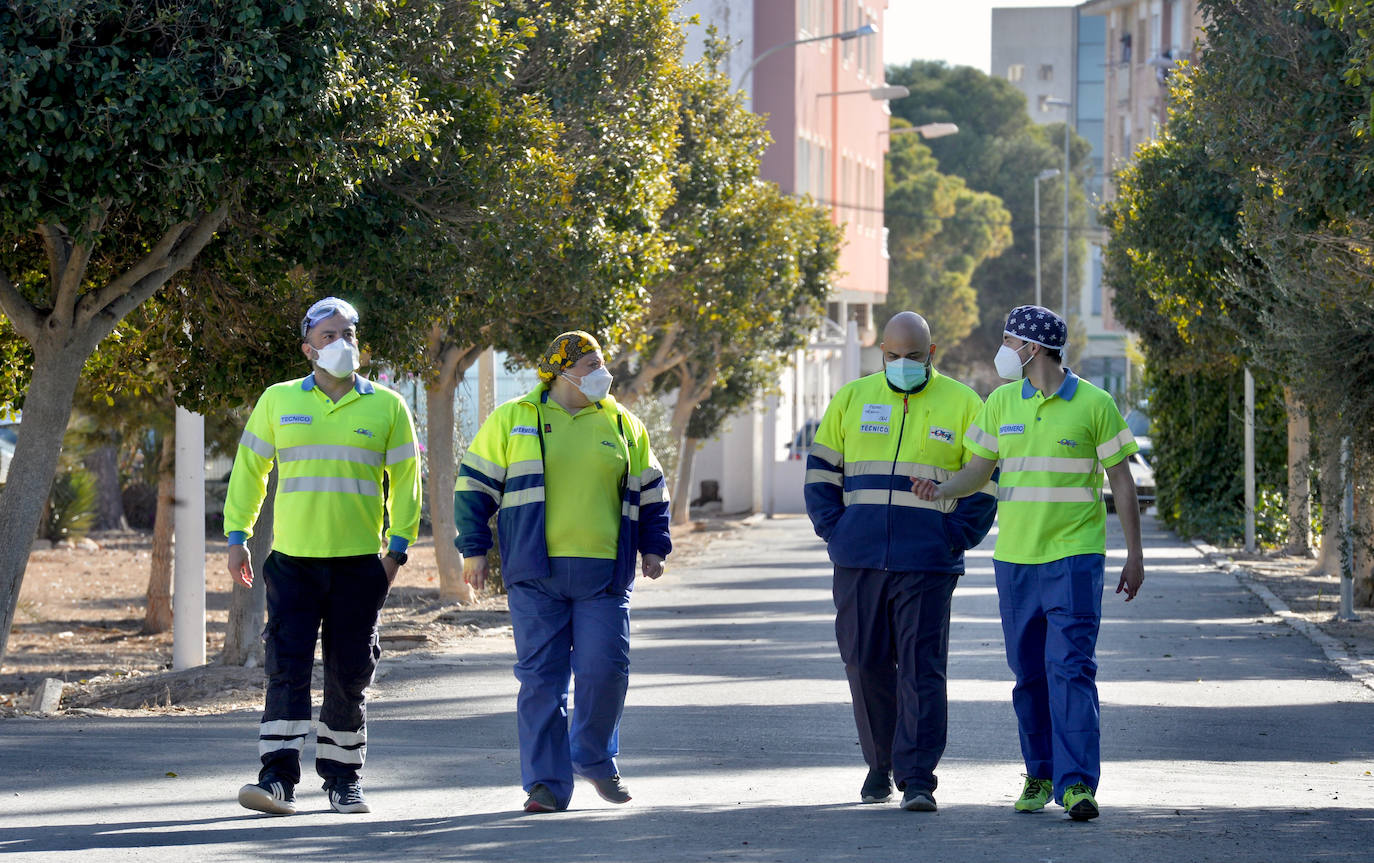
[(906, 335)]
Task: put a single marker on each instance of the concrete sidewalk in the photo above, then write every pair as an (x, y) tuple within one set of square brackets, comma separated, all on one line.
[(1226, 736)]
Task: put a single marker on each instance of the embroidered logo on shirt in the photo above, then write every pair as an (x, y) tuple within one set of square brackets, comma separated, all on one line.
[(945, 435), (608, 443), (1067, 442), (1018, 428), (526, 430), (877, 414), (296, 419), (873, 428), (364, 432)]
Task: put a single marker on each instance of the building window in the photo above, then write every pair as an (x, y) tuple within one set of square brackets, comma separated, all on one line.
[(1125, 47), (1015, 72), (804, 169), (1046, 71)]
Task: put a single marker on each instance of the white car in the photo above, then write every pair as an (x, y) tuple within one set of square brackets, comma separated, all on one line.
[(1141, 472)]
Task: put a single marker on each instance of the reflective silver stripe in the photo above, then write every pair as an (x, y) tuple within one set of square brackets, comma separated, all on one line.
[(257, 445), (657, 494), (1050, 464), (816, 474), (471, 483), (631, 511), (522, 497), (880, 497), (824, 452), (331, 452), (265, 745), (902, 468), (633, 483), (1107, 449), (982, 438), (285, 727), (341, 484), (330, 752), (525, 468), (1041, 494), (343, 738), (400, 453), (650, 474), (488, 468)]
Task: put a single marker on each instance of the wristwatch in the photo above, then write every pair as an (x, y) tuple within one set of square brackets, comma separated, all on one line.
[(399, 556)]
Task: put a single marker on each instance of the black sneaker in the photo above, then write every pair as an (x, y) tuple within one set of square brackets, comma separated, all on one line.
[(611, 789), (877, 787), (269, 795), (541, 799), (918, 800), (346, 796)]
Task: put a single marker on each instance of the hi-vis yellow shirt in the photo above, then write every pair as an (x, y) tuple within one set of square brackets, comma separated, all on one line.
[(331, 458)]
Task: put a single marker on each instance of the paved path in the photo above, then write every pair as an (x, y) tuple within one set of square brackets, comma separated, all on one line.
[(1226, 736)]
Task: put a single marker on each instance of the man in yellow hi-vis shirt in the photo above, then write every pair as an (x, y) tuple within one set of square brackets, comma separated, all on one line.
[(334, 435), (1053, 434)]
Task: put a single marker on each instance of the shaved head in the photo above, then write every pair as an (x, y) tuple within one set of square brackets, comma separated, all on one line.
[(906, 335)]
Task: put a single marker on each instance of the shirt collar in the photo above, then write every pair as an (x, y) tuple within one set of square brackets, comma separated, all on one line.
[(1066, 390), (361, 385)]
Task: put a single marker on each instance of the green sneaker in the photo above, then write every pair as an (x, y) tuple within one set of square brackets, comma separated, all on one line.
[(1079, 802), (1034, 795)]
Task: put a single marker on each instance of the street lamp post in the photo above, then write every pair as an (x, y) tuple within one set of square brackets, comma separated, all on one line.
[(1064, 289), (927, 130), (1046, 174), (859, 32)]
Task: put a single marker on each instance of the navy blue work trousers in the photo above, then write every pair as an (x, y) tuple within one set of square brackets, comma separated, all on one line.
[(571, 624), (893, 632), (337, 599)]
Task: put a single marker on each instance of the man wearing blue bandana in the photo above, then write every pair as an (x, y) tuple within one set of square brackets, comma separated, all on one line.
[(897, 558), (1052, 434)]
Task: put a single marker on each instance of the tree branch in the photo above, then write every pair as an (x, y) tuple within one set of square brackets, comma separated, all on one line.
[(55, 244), (25, 319)]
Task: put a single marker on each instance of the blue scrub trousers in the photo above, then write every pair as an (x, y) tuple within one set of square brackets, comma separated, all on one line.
[(893, 632), (1050, 618), (572, 623)]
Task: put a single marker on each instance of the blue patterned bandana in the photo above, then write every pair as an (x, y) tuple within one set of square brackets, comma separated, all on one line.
[(1037, 324)]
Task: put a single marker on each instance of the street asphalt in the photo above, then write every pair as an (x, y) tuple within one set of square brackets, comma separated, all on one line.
[(1227, 736)]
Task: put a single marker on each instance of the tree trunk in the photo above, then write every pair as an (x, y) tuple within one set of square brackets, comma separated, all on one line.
[(1364, 535), (452, 362), (1332, 493), (681, 509), (157, 617), (103, 464), (55, 375), (248, 606), (1299, 477)]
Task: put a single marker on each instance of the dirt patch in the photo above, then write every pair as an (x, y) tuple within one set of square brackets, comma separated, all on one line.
[(80, 620)]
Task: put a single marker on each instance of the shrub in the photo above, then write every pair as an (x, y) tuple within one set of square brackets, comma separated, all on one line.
[(71, 507)]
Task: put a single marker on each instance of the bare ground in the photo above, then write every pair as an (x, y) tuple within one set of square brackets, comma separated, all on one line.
[(80, 620)]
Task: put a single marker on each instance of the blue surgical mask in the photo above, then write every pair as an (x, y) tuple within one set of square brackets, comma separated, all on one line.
[(906, 375)]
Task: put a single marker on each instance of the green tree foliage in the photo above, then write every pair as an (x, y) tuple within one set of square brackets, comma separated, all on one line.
[(132, 133), (939, 232), (1000, 151)]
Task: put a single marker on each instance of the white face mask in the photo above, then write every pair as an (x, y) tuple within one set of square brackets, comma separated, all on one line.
[(1008, 362), (595, 385), (338, 358)]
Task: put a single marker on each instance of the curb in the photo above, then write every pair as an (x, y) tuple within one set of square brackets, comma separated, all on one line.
[(1361, 671)]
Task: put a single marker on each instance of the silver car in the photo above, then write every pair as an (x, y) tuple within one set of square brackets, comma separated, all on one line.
[(1141, 472)]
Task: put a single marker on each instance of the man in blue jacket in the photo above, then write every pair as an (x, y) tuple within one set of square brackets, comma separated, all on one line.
[(897, 558)]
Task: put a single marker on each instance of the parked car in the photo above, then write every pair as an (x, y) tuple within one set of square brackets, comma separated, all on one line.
[(1141, 472), (800, 445), (9, 435)]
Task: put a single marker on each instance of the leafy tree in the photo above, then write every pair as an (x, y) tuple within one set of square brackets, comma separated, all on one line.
[(938, 233), (132, 134), (999, 150)]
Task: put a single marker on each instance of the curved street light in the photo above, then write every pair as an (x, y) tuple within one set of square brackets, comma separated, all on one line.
[(858, 32), (927, 130)]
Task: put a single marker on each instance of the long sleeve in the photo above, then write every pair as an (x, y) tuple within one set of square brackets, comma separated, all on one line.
[(824, 490), (654, 506), (252, 465), (480, 485), (403, 471)]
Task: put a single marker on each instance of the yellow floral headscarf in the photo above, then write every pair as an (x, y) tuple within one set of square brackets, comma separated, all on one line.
[(564, 351)]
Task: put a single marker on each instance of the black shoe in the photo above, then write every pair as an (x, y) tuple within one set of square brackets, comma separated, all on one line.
[(269, 795), (918, 800), (346, 796), (877, 787), (541, 799), (611, 789)]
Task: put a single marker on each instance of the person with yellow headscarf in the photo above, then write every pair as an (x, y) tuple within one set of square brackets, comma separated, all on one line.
[(577, 495)]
